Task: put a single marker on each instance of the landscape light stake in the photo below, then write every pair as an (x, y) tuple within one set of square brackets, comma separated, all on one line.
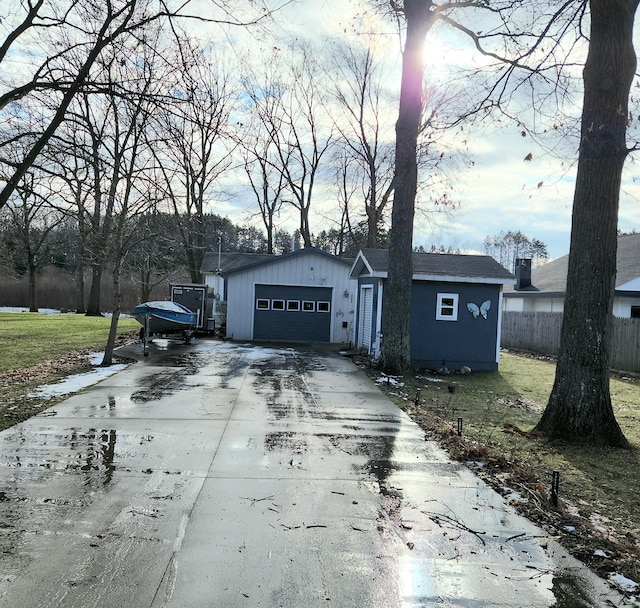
[(555, 486), (459, 427), (417, 401)]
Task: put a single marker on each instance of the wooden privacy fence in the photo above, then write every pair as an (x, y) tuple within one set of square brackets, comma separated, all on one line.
[(539, 332)]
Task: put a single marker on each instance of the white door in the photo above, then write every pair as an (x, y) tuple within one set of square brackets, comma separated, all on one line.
[(366, 316)]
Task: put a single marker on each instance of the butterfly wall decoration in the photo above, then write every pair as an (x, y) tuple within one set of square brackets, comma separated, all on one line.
[(479, 311)]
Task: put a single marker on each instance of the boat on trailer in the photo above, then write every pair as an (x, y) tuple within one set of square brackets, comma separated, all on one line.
[(164, 318)]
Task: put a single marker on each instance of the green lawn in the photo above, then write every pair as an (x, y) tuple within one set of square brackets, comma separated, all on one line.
[(27, 339)]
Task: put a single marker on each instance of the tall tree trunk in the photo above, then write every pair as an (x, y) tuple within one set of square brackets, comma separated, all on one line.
[(33, 296), (372, 228), (115, 316), (396, 354), (305, 231), (80, 257), (145, 280), (80, 287), (579, 407), (93, 307)]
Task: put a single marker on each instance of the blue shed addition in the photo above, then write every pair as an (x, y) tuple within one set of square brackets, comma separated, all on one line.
[(456, 308)]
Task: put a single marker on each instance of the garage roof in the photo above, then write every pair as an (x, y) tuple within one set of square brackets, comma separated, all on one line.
[(254, 263), (213, 262), (435, 266)]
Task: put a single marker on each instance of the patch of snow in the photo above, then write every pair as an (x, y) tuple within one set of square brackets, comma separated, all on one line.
[(255, 353), (513, 496), (569, 528), (624, 583), (42, 311), (393, 381), (600, 553), (434, 379), (76, 382)]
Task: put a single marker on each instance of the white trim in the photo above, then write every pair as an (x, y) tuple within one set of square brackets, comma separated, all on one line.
[(440, 305), (362, 298), (455, 279), (362, 261), (499, 328), (378, 340)]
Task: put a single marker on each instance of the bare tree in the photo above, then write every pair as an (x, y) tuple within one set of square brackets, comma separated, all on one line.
[(366, 158), (267, 182), (290, 106), (66, 159), (579, 407), (396, 351), (133, 203), (74, 34), (32, 221), (193, 149), (537, 47)]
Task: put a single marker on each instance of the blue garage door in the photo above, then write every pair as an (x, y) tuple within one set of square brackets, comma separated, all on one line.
[(290, 313)]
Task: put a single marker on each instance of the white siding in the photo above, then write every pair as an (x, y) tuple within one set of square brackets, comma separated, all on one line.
[(513, 304), (622, 307), (537, 304), (217, 282), (312, 270)]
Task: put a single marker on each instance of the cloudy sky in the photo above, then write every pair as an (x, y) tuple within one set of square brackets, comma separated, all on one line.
[(500, 191)]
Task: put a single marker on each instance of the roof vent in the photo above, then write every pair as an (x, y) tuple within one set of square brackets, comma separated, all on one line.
[(523, 273)]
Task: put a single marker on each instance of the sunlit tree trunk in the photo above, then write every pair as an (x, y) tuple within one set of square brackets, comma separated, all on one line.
[(579, 407), (395, 355)]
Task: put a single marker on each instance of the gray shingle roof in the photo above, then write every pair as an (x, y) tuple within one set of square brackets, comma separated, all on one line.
[(443, 264), (552, 277), (231, 261)]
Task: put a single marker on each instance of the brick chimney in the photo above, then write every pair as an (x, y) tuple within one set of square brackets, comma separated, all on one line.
[(523, 273)]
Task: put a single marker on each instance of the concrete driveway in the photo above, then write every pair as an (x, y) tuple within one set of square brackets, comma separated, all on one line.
[(223, 475)]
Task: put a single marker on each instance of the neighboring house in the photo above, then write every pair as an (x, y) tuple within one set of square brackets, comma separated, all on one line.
[(303, 296), (456, 308), (543, 289)]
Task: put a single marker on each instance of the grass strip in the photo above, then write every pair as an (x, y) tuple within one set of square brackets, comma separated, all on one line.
[(27, 339)]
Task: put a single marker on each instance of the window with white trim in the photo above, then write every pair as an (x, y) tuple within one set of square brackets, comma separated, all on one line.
[(323, 307), (308, 306), (277, 304), (293, 305), (262, 304), (447, 307)]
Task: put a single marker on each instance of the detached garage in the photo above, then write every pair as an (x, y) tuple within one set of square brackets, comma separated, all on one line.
[(304, 296), (286, 312)]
